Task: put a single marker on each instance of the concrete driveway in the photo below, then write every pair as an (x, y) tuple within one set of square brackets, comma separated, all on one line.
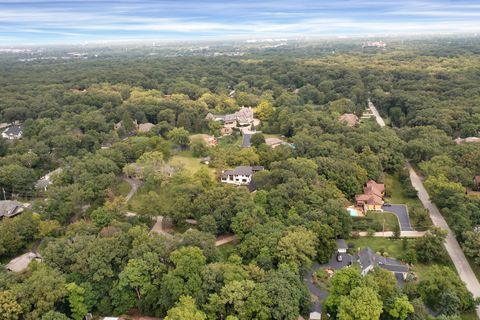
[(316, 292), (401, 211)]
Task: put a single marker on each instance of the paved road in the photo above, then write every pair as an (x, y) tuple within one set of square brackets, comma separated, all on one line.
[(374, 110), (315, 292), (224, 240), (388, 234), (401, 211), (135, 184), (453, 248), (246, 140), (158, 227)]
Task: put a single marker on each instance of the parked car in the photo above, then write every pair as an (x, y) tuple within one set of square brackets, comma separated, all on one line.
[(339, 257), (387, 204)]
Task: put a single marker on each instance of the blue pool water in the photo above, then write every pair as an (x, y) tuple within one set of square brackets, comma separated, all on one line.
[(352, 212)]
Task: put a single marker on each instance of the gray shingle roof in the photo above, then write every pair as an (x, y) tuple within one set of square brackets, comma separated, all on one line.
[(366, 258), (13, 130), (9, 208)]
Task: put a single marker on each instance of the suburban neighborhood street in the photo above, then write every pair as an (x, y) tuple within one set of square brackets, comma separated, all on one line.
[(374, 110), (451, 244)]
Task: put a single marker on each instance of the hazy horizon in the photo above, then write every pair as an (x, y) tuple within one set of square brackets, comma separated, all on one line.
[(69, 22)]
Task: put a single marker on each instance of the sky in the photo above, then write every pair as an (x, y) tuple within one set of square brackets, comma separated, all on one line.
[(79, 21)]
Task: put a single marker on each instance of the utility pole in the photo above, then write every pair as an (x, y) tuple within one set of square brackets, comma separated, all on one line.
[(4, 196)]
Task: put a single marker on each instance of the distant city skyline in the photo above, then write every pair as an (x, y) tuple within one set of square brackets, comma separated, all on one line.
[(61, 21)]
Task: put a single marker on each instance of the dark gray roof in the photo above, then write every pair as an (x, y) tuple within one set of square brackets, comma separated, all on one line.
[(341, 244), (13, 130), (240, 170), (392, 265), (366, 258), (257, 168), (230, 117), (246, 140)]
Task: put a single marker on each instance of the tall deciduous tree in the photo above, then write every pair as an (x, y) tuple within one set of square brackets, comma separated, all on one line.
[(361, 304), (186, 277), (297, 247), (9, 308), (185, 309), (76, 299)]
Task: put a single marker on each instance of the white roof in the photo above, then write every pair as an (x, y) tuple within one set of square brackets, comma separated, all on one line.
[(21, 263), (315, 316)]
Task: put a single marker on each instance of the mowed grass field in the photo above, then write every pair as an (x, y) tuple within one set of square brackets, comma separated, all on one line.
[(396, 192), (391, 220)]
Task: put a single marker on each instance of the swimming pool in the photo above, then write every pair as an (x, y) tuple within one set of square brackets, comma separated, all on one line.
[(353, 212)]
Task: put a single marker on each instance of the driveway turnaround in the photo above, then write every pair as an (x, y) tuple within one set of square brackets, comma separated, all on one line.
[(451, 244), (316, 292), (401, 211)]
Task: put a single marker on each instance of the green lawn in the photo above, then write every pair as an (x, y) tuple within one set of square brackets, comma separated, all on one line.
[(393, 247), (186, 160), (389, 218), (225, 142), (396, 193)]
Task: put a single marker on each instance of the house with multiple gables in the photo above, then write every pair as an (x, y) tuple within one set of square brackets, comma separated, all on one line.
[(241, 118), (240, 176), (372, 197), (369, 260), (13, 132), (11, 208)]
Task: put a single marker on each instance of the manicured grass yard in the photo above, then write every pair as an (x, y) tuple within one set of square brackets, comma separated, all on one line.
[(393, 247), (396, 192), (390, 219), (186, 160)]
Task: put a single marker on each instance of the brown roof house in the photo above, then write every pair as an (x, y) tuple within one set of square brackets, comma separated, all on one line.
[(372, 197), (349, 119)]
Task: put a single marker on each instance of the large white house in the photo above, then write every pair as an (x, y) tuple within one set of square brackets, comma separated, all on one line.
[(239, 176)]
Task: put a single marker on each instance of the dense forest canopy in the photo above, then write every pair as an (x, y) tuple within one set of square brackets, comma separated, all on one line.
[(82, 115)]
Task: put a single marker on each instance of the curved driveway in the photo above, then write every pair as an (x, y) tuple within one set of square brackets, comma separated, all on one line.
[(401, 211)]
